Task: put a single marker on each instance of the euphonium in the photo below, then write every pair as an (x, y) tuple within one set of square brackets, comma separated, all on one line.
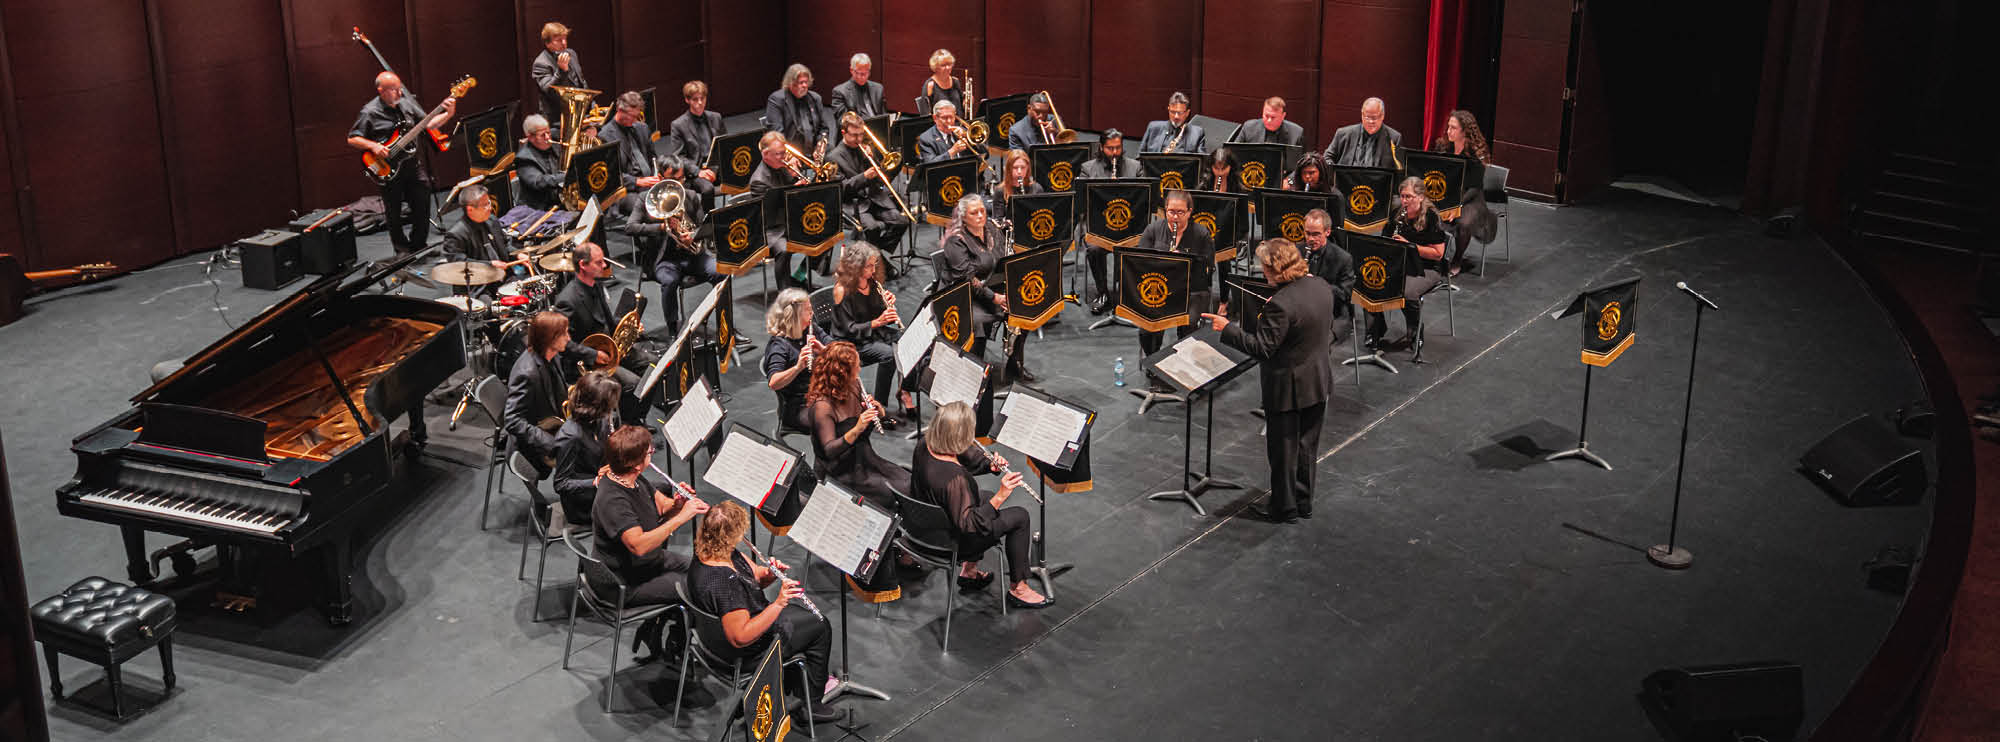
[(667, 201)]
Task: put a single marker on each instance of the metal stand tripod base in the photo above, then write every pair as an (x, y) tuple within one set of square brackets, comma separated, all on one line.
[(464, 402), (1148, 398), (1580, 452), (1045, 574), (1111, 319), (1669, 557), (848, 687), (1201, 484), (1372, 359)]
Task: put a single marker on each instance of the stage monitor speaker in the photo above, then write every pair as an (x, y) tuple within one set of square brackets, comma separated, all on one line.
[(270, 259), (1864, 463), (327, 247), (1726, 703)]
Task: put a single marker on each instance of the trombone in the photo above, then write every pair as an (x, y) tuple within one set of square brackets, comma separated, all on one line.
[(1052, 126), (890, 160), (887, 163), (822, 171)]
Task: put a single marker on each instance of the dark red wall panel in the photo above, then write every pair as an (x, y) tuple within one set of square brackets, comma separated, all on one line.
[(1527, 116), (1241, 68), (332, 77), (824, 35), (1140, 53), (590, 34), (454, 39), (83, 86), (231, 154), (746, 53), (1372, 48), (660, 45), (912, 29), (1039, 45)]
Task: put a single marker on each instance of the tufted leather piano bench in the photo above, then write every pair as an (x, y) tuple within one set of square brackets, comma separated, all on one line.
[(105, 623)]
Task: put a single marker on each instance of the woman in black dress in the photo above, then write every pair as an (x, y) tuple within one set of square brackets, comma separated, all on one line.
[(593, 413), (788, 357), (1416, 222), (942, 479), (864, 314), (972, 249), (842, 426), (725, 583), (1475, 221)]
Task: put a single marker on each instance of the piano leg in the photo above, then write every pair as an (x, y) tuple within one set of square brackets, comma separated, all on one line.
[(138, 565), (340, 582)]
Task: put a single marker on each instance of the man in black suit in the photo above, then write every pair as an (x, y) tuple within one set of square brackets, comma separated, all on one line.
[(1270, 127), (863, 191), (1158, 133), (772, 173), (795, 111), (629, 131), (591, 302), (1289, 339), (692, 135), (539, 165), (536, 386), (556, 65), (1329, 261), (1367, 144), (1028, 131), (1179, 234), (859, 95), (938, 142), (1110, 162)]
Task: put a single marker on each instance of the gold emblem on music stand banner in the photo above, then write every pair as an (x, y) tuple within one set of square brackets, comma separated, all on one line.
[(1434, 186), (760, 727), (1253, 174), (1374, 273), (600, 176), (739, 234), (1153, 289), (1118, 214), (952, 189), (1361, 201), (489, 143), (1293, 227), (1042, 224), (813, 219), (741, 161), (1607, 321), (948, 325), (1034, 288), (1061, 176), (687, 377), (1170, 181), (1007, 121), (1207, 221)]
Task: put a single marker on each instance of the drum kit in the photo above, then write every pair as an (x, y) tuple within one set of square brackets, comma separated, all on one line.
[(501, 324)]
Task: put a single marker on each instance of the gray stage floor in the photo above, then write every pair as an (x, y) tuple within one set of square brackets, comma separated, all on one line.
[(1452, 585)]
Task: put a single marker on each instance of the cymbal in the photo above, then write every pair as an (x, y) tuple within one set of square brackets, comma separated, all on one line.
[(466, 273), (557, 262)]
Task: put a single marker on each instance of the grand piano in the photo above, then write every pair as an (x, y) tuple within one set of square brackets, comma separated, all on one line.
[(275, 440)]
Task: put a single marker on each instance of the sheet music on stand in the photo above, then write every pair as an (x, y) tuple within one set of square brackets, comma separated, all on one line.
[(1039, 428), (916, 340), (697, 416), (688, 325), (747, 469), (1194, 362), (955, 376), (849, 534)]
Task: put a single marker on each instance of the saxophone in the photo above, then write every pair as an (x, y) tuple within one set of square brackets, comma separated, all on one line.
[(1176, 141)]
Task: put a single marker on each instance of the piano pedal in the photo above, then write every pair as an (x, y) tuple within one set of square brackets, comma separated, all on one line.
[(234, 603)]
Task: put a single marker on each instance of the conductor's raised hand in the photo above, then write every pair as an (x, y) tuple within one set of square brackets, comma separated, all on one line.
[(1219, 319)]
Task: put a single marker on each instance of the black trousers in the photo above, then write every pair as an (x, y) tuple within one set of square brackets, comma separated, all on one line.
[(805, 636), (1099, 260), (1011, 531), (407, 190), (674, 264), (882, 228), (882, 356), (1291, 443)]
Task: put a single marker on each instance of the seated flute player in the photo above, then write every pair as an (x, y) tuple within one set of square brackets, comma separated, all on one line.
[(632, 519), (942, 477), (725, 583)]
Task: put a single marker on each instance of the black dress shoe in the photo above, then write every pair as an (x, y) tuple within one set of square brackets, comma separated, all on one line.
[(1401, 343), (1013, 602), (821, 714), (1021, 373), (1264, 513), (975, 583)]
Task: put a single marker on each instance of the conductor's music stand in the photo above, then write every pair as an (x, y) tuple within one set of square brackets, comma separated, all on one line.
[(1193, 485)]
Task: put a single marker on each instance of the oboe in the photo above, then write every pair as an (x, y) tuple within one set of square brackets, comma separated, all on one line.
[(1004, 468), (772, 564)]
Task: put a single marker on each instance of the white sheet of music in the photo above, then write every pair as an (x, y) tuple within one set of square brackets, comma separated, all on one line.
[(680, 338), (1039, 429), (1182, 368), (746, 470), (837, 529), (957, 378), (1205, 357), (917, 337), (698, 414)]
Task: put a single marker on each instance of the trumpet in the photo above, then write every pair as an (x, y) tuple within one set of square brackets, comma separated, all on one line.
[(1052, 126), (772, 564), (1005, 469), (822, 171)]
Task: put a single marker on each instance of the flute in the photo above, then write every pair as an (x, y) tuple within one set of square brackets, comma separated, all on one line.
[(679, 487), (772, 564), (1004, 468)]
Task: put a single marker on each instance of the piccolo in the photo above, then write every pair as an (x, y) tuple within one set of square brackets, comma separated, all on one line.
[(1004, 468), (772, 564)]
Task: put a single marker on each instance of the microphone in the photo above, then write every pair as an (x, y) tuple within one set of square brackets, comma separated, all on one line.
[(1697, 295)]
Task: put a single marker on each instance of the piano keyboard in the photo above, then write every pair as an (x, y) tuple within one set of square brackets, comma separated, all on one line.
[(207, 512)]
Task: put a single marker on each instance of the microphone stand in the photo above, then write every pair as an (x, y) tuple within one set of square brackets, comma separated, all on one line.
[(1670, 555)]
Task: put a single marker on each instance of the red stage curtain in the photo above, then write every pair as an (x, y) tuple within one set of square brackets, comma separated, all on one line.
[(1444, 55)]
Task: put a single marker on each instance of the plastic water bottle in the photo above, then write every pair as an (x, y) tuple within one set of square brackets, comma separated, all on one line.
[(1118, 372)]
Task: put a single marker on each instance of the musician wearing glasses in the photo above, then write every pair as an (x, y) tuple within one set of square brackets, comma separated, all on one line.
[(943, 141), (1179, 234), (634, 137), (796, 111), (693, 133), (1328, 261), (593, 413), (725, 583), (535, 386), (631, 517), (858, 95), (556, 65), (1370, 143), (1110, 162), (941, 86), (941, 476), (777, 171), (1270, 127), (1033, 128), (391, 111), (589, 300), (1416, 222), (1178, 134), (864, 187), (477, 237)]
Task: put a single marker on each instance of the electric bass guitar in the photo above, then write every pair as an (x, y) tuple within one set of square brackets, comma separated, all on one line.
[(402, 143), (16, 286)]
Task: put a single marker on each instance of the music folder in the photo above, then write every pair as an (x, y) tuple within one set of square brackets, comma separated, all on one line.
[(954, 375), (1198, 362), (694, 421), (751, 467), (1042, 426), (848, 532)]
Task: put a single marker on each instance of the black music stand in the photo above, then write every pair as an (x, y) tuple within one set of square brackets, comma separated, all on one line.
[(1116, 213), (1042, 569), (1378, 287), (1192, 485), (1610, 326), (734, 159), (817, 527), (1154, 288)]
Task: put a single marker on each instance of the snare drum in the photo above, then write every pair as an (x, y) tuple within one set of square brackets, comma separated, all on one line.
[(535, 290), (474, 309)]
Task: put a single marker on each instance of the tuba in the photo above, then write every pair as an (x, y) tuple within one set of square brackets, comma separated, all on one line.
[(1054, 123), (575, 108), (619, 343), (667, 202)]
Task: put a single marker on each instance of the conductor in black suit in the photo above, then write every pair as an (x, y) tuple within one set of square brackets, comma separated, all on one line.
[(1289, 340), (1270, 127), (859, 95), (693, 133)]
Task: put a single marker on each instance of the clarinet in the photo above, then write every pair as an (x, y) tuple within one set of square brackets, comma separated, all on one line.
[(772, 564), (888, 298), (868, 400)]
